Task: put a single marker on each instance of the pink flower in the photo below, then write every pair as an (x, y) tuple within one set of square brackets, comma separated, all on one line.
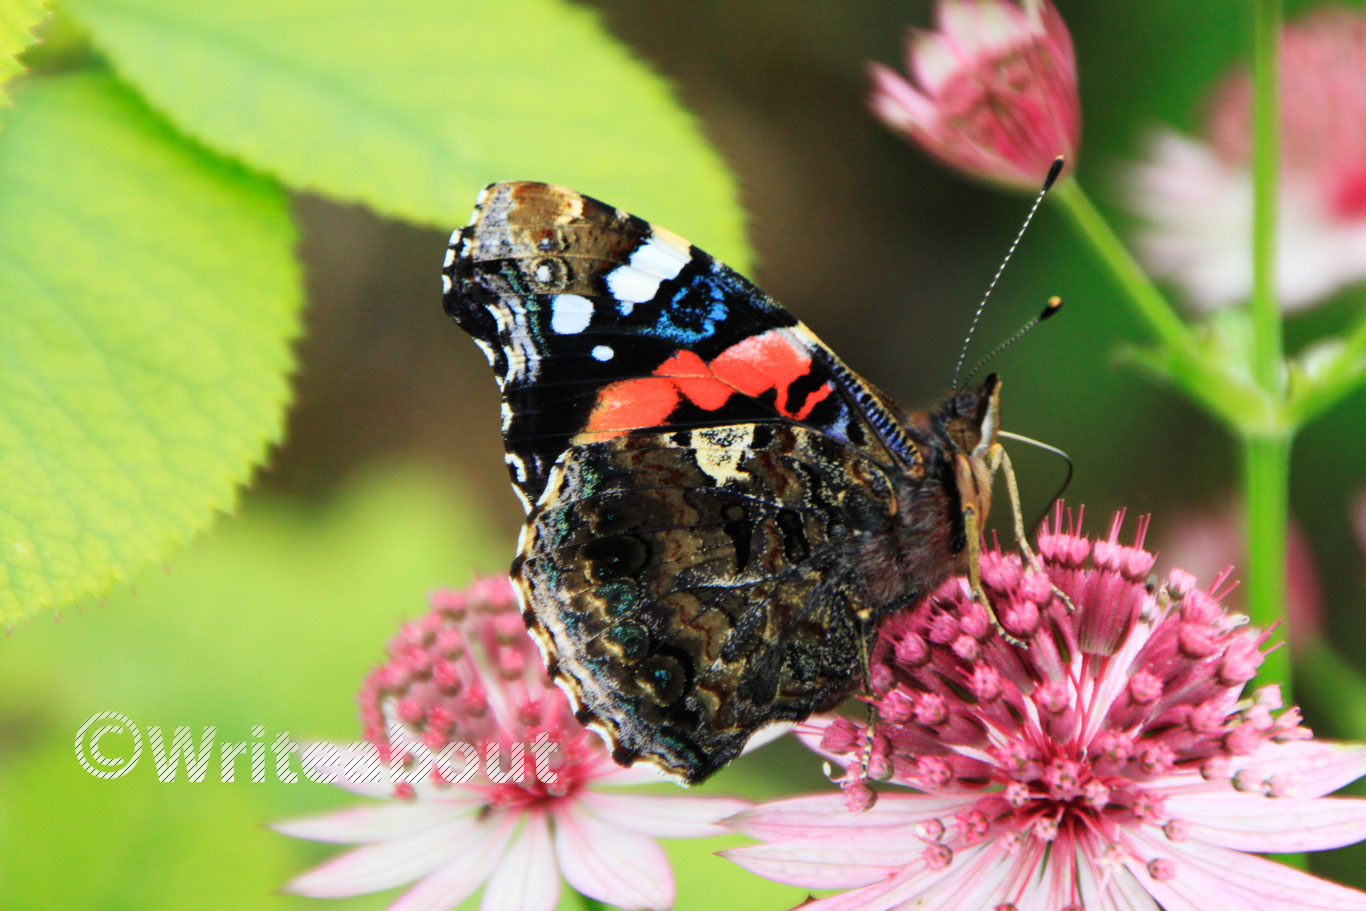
[(993, 91), (1197, 196), (1111, 761), (517, 799)]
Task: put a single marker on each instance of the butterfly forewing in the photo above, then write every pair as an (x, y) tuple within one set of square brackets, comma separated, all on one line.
[(599, 324)]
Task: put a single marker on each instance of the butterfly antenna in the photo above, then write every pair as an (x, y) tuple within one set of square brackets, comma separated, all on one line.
[(1053, 171), (1053, 306)]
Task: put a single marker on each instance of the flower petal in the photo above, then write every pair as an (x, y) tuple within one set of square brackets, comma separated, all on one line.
[(975, 879), (1212, 877), (664, 816), (964, 883), (1310, 768), (386, 864), (454, 881), (766, 735), (526, 878), (825, 815), (1198, 206), (817, 865), (1268, 825), (1116, 890), (382, 822), (616, 866), (610, 775)]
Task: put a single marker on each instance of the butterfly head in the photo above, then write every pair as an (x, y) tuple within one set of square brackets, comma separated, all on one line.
[(969, 419)]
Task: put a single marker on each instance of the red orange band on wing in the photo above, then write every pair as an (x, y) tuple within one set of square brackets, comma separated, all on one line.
[(773, 360)]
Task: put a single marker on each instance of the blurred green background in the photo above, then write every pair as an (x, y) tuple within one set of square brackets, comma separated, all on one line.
[(390, 481)]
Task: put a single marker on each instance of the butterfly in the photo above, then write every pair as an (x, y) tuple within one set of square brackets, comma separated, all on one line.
[(718, 509)]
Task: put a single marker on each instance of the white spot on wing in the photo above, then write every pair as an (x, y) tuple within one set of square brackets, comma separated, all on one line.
[(720, 450), (450, 256), (570, 314), (664, 254), (630, 284), (603, 353), (445, 284), (657, 260)]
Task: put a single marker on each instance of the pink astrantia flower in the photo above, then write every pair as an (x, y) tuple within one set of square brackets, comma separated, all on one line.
[(1111, 760), (468, 676), (993, 91), (1197, 196)]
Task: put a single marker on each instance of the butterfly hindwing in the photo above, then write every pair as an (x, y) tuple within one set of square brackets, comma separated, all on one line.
[(694, 586)]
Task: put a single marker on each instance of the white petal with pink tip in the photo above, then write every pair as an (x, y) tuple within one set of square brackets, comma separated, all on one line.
[(823, 866), (615, 866), (385, 864), (825, 815), (360, 825), (1272, 825), (465, 871), (664, 816), (526, 878)]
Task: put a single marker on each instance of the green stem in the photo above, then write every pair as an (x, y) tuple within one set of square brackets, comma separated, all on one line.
[(1266, 457), (1266, 164), (1147, 301), (1266, 493)]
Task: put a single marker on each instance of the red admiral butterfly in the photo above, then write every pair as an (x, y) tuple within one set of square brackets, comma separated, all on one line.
[(719, 511)]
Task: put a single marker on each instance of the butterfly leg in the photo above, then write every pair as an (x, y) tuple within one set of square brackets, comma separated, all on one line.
[(999, 459), (974, 534), (866, 752)]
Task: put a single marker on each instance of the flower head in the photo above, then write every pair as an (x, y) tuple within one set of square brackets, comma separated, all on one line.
[(513, 794), (1113, 760), (1197, 196), (993, 91)]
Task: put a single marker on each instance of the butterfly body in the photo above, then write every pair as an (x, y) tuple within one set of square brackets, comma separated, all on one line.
[(718, 509)]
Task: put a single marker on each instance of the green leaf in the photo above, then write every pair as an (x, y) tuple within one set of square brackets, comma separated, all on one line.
[(410, 106), (148, 296), (17, 19)]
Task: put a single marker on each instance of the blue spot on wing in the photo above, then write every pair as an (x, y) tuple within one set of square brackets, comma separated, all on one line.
[(693, 313)]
